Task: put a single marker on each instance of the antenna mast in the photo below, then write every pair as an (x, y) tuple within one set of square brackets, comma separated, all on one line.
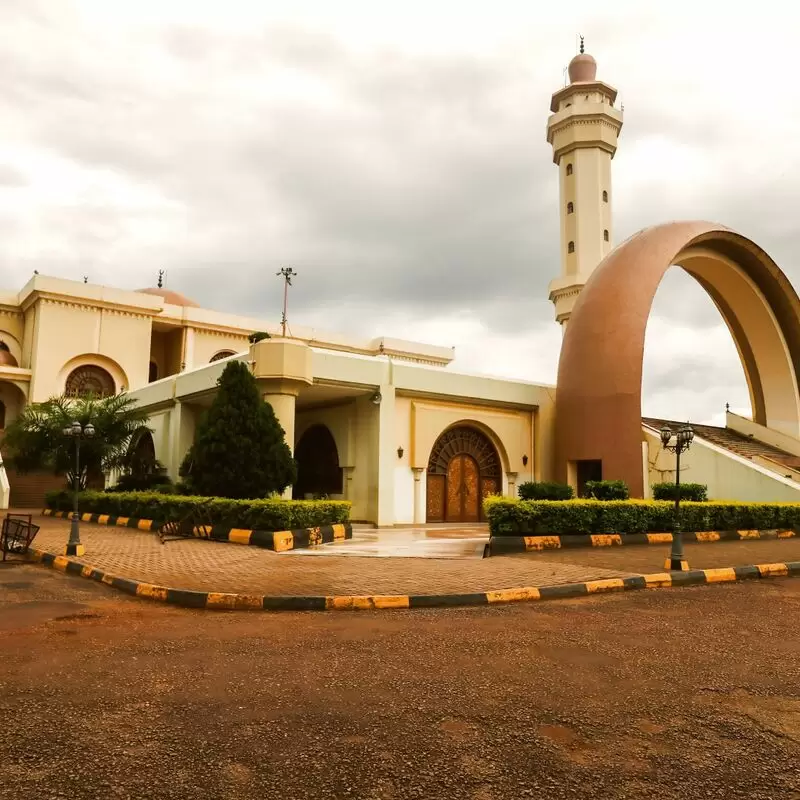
[(288, 273)]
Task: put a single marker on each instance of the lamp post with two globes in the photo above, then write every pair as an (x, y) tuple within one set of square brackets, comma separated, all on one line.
[(683, 440), (77, 433)]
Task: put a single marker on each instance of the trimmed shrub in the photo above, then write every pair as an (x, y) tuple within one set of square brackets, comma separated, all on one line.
[(239, 449), (509, 517), (606, 490), (265, 515), (544, 490), (697, 492)]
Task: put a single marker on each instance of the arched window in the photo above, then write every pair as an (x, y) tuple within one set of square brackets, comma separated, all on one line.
[(222, 354), (89, 379), (605, 196), (2, 415), (153, 372), (571, 247), (569, 169), (605, 236), (570, 208)]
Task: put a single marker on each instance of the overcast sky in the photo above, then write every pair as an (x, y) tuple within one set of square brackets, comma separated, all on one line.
[(395, 158)]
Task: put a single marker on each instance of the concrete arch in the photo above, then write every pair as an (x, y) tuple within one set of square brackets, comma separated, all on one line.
[(598, 395), (88, 359)]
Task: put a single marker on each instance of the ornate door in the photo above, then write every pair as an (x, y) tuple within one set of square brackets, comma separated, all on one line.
[(463, 469), (463, 501)]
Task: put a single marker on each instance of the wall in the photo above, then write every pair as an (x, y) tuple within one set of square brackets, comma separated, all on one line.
[(727, 476), (65, 331), (209, 343)]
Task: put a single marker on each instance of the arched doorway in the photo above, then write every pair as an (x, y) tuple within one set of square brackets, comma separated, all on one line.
[(463, 469), (598, 395), (318, 470)]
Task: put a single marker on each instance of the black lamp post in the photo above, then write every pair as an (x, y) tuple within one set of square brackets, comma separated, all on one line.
[(77, 432), (683, 440)]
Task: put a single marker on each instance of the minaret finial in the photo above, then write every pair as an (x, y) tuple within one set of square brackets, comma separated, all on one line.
[(581, 44), (161, 279)]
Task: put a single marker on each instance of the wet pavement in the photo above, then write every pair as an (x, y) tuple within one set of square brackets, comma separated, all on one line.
[(430, 541)]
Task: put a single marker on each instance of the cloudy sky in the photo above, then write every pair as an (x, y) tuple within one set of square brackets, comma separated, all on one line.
[(395, 156)]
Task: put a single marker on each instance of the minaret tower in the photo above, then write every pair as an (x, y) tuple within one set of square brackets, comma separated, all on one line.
[(583, 130)]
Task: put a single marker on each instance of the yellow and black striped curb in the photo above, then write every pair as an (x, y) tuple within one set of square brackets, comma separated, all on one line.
[(499, 545), (255, 602), (279, 541)]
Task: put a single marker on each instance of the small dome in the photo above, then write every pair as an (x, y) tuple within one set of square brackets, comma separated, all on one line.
[(168, 296), (7, 357), (582, 69)]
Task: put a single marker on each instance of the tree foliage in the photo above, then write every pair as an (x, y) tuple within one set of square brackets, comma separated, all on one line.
[(239, 449), (35, 439)]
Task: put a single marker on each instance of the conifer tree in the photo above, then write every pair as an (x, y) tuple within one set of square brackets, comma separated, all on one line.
[(239, 448)]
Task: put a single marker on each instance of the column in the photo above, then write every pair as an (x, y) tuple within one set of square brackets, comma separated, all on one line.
[(512, 483), (347, 483), (283, 404), (419, 503), (387, 457)]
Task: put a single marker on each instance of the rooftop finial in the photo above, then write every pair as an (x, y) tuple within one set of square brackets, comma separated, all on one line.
[(161, 279), (581, 44)]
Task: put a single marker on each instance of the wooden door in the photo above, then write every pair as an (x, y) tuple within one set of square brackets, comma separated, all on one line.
[(435, 497), (463, 496)]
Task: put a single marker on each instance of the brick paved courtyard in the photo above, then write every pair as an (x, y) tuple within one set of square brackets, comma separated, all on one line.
[(221, 567)]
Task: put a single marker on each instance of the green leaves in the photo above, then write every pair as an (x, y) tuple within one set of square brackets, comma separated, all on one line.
[(239, 449), (35, 440)]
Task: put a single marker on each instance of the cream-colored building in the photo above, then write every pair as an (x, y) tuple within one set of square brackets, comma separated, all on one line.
[(388, 424)]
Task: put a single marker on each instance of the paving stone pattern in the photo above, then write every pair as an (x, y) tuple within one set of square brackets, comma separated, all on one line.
[(222, 567)]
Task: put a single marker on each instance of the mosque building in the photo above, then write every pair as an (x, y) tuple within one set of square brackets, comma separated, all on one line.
[(387, 425)]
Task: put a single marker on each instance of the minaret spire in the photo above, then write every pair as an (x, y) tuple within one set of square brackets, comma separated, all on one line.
[(583, 130), (161, 279)]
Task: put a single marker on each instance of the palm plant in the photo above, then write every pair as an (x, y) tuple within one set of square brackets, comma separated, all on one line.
[(35, 439)]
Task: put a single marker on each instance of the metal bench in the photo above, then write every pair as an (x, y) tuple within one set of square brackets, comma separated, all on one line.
[(17, 534)]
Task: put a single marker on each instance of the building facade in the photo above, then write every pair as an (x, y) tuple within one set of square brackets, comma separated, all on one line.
[(387, 424)]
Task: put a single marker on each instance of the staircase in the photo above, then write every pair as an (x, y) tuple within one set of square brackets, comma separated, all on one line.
[(738, 443)]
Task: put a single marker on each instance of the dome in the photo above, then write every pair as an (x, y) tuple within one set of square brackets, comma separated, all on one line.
[(582, 69), (6, 356), (168, 296)]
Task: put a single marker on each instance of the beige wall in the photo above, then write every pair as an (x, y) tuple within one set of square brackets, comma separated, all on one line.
[(727, 476), (207, 344), (69, 336)]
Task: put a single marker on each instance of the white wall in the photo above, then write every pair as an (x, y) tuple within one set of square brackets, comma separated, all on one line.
[(727, 476)]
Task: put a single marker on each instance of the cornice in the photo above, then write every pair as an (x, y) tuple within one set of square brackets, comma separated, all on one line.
[(78, 305)]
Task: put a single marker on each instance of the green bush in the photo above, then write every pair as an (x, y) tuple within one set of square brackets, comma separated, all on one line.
[(698, 492), (266, 515), (239, 449), (606, 490), (544, 490), (553, 518)]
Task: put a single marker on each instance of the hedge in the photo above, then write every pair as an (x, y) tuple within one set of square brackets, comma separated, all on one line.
[(266, 515), (530, 517), (606, 490), (544, 490), (689, 491)]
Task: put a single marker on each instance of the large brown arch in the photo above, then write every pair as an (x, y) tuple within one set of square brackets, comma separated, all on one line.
[(599, 389)]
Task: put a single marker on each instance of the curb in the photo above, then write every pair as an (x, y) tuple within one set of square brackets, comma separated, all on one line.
[(279, 541), (252, 602), (501, 545)]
